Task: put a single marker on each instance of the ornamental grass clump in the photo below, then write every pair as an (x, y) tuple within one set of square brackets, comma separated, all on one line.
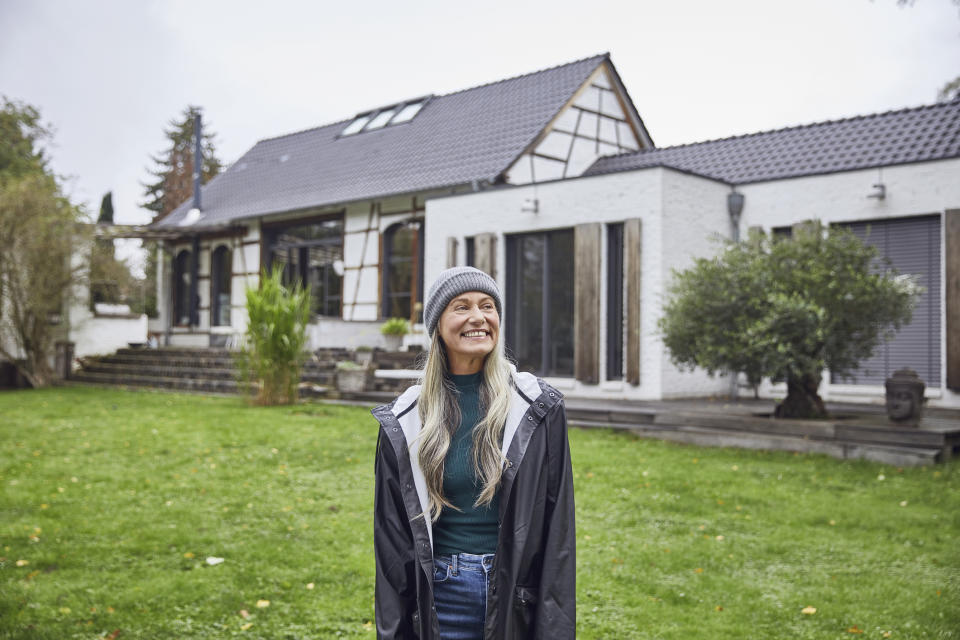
[(276, 340)]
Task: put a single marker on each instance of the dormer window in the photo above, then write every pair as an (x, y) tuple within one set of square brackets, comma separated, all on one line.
[(380, 120), (385, 117)]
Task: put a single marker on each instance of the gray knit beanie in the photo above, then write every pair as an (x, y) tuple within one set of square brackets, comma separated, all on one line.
[(451, 283)]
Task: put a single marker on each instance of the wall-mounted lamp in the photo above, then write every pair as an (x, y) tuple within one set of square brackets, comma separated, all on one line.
[(735, 201), (879, 191), (530, 205)]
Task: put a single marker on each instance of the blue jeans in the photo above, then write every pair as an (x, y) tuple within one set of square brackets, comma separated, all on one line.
[(460, 594)]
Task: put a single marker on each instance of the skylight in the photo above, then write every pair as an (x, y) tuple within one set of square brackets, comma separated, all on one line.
[(385, 117)]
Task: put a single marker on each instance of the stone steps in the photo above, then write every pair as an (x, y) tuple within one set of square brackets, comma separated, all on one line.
[(214, 370)]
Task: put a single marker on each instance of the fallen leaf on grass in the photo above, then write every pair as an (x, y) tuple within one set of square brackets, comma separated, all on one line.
[(809, 611), (214, 561), (718, 608), (244, 614), (188, 554), (854, 629), (113, 636), (246, 626), (310, 585), (22, 563), (903, 503), (263, 604)]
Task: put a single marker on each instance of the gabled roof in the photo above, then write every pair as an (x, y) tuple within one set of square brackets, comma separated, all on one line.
[(896, 137), (455, 139)]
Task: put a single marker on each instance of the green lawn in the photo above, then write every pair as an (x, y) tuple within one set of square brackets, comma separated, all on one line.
[(112, 501)]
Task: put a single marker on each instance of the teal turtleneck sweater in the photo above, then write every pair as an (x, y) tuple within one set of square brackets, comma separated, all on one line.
[(471, 529)]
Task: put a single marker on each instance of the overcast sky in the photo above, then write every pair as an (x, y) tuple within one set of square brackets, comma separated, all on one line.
[(108, 75)]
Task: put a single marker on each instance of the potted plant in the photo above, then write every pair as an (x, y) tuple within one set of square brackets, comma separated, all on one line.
[(351, 377), (364, 355), (393, 331)]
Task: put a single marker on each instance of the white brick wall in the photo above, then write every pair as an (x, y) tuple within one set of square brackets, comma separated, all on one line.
[(654, 195)]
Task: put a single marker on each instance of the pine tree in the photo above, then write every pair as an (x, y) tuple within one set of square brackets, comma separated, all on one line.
[(173, 185), (173, 172)]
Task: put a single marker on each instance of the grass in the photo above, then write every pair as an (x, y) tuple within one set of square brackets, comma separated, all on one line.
[(111, 501)]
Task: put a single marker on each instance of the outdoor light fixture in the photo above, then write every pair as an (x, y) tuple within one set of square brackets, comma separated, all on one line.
[(530, 205), (735, 208), (879, 191)]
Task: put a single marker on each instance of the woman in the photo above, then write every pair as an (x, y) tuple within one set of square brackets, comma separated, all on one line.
[(473, 511)]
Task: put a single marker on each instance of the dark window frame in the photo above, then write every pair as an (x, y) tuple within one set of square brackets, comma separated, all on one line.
[(216, 284), (615, 301), (297, 253), (415, 292), (548, 364), (181, 289)]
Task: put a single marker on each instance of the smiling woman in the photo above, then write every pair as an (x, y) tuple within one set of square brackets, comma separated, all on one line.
[(474, 494)]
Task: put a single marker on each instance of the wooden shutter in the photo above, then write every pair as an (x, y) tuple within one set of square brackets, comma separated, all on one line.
[(485, 253), (587, 240), (952, 262), (632, 253), (451, 252)]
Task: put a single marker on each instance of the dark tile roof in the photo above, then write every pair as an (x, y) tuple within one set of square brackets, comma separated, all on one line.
[(474, 134), (896, 137)]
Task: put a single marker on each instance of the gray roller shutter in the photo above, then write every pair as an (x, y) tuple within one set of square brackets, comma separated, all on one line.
[(913, 246)]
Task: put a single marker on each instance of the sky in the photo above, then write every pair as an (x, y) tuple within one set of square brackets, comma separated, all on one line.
[(108, 75)]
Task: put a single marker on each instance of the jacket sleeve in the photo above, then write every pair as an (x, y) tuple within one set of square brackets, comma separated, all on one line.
[(395, 592), (557, 610)]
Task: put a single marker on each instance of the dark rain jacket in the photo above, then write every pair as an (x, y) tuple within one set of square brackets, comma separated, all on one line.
[(532, 581)]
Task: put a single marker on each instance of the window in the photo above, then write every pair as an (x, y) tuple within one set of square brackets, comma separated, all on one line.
[(403, 270), (471, 251), (912, 245), (181, 288), (615, 302), (539, 324), (385, 117), (310, 253), (380, 120), (221, 275)]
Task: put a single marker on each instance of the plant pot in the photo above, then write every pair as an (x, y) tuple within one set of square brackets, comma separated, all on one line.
[(351, 381), (364, 357), (392, 342)]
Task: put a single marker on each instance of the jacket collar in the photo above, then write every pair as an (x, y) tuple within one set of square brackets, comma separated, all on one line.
[(402, 415)]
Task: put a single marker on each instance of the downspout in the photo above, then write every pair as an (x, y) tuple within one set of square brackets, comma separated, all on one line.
[(735, 201)]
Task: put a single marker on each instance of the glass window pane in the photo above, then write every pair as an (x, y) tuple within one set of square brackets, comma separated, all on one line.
[(528, 307), (355, 126), (407, 113), (560, 362), (380, 120)]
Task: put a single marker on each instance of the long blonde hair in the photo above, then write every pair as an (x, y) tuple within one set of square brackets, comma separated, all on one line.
[(440, 416)]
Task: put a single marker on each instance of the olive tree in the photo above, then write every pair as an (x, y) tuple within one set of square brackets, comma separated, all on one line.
[(787, 308)]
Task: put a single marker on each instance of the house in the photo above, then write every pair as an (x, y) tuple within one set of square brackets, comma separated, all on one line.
[(341, 207), (629, 220), (550, 182)]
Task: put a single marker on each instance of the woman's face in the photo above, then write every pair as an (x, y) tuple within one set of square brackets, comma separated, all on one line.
[(469, 327)]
